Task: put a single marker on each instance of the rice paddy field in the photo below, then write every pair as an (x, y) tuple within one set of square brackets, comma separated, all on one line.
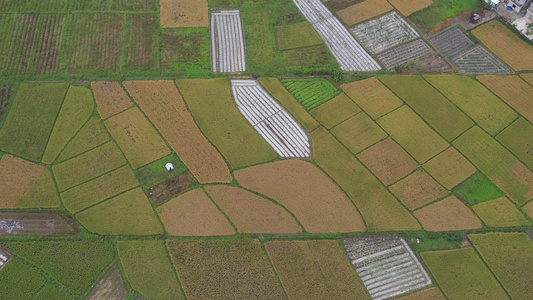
[(133, 166)]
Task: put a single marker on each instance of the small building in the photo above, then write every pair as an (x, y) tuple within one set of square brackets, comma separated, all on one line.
[(518, 5), (529, 13), (169, 167)]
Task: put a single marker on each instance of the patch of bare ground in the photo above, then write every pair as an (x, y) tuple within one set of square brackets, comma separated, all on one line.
[(464, 20), (161, 192), (428, 64), (110, 287), (36, 223)]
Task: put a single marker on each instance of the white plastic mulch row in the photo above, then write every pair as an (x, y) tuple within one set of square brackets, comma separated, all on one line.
[(350, 55), (227, 42), (270, 120)]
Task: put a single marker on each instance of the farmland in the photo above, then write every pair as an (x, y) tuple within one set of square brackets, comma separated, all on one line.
[(500, 213), (311, 92), (518, 138), (183, 13), (362, 11), (358, 133), (90, 136), (446, 215), (227, 57), (20, 280), (418, 189), (111, 286), (110, 98), (297, 35), (449, 168), (47, 223), (335, 111), (372, 96)]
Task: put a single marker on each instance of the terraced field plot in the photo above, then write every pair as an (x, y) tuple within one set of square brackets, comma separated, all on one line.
[(384, 32), (227, 42), (349, 54), (386, 265), (272, 122), (402, 54), (452, 42), (479, 60)]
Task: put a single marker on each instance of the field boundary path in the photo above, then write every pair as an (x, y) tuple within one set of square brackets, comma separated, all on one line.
[(227, 42), (350, 55)]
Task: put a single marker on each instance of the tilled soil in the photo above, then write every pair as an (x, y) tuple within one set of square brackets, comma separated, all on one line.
[(169, 188)]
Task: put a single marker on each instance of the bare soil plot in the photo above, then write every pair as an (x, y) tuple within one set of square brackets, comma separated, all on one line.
[(251, 213), (452, 42), (500, 213), (165, 108), (462, 274), (128, 213), (413, 134), (297, 35), (25, 185), (137, 138), (346, 50), (386, 266), (402, 54), (335, 111), (110, 98), (479, 60), (224, 269), (427, 294), (380, 210), (167, 189), (362, 11), (446, 118), (388, 161), (499, 40), (513, 90), (183, 13), (358, 133), (222, 123), (487, 110), (502, 167), (509, 256), (314, 269), (313, 198), (372, 96), (228, 54), (407, 7), (36, 223), (447, 215), (450, 168), (90, 136), (418, 189), (193, 214), (111, 286), (518, 138), (384, 32)]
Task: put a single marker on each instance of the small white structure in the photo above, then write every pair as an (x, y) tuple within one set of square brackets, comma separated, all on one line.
[(169, 167)]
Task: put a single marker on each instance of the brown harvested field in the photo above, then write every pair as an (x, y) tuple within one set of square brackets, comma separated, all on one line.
[(363, 11), (450, 168), (500, 212), (388, 161), (447, 215), (183, 13), (251, 213), (527, 77), (304, 190), (499, 39), (163, 105), (224, 269), (110, 98), (37, 223), (111, 286), (136, 137), (528, 208), (513, 90), (427, 294), (418, 189), (193, 214), (25, 185), (335, 111), (358, 133), (407, 7), (372, 96), (314, 270)]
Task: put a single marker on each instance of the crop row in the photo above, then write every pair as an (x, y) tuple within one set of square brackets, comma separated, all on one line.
[(227, 40), (311, 92)]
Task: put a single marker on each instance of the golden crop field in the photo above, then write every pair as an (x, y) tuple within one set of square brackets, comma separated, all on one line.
[(372, 96), (500, 212), (450, 168), (358, 133), (418, 189), (363, 11), (183, 13), (407, 7), (335, 111), (90, 136), (447, 215), (110, 98)]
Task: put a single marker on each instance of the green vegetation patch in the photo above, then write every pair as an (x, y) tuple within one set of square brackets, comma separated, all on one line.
[(74, 264), (128, 213), (440, 10), (148, 269), (34, 6), (476, 189), (88, 166), (51, 292), (312, 92), (214, 111), (90, 136), (110, 5), (156, 171), (310, 60), (75, 111), (435, 240), (500, 213), (185, 51), (518, 138), (30, 120), (4, 99), (461, 274), (19, 281), (297, 35), (510, 257)]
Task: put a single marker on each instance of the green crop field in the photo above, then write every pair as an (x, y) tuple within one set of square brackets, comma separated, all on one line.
[(311, 92), (500, 213), (297, 35), (476, 189), (518, 138), (90, 136), (185, 51), (440, 10), (51, 292), (19, 280)]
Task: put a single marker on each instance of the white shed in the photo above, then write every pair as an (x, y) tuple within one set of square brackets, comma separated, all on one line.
[(169, 167)]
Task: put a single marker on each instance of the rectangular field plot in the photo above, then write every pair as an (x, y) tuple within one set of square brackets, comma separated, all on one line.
[(518, 138), (274, 124), (479, 60), (183, 13), (140, 44), (402, 54), (386, 265), (452, 42), (384, 32), (362, 10), (227, 42), (297, 35), (349, 54), (36, 223)]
